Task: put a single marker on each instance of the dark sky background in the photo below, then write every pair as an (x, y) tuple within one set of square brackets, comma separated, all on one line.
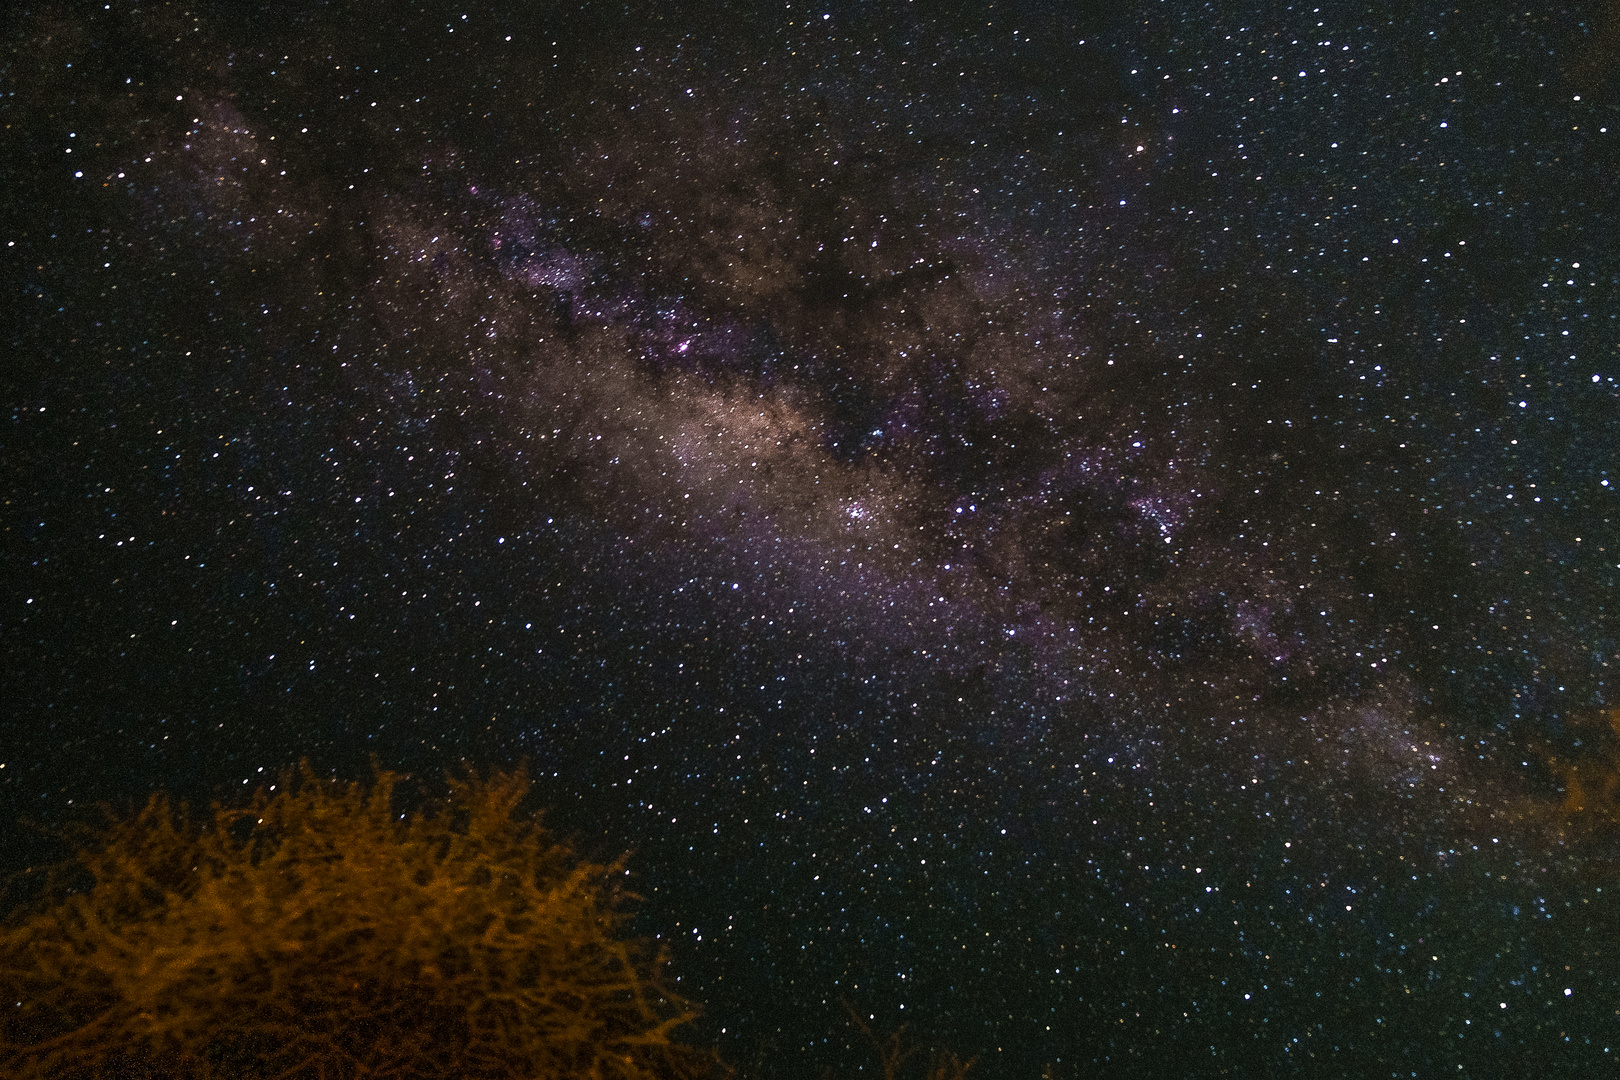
[(1085, 529)]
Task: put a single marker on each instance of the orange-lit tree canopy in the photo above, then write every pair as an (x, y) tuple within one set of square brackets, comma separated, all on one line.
[(318, 933)]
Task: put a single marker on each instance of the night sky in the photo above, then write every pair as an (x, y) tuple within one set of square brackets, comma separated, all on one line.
[(1085, 529)]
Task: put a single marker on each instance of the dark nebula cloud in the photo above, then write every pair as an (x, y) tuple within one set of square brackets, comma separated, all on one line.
[(1086, 531)]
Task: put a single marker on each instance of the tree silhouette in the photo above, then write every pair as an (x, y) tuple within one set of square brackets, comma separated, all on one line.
[(894, 1051), (316, 934)]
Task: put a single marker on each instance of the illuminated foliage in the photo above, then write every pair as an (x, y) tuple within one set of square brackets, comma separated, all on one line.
[(317, 933)]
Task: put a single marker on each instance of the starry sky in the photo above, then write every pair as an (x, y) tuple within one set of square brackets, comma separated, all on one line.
[(1084, 529)]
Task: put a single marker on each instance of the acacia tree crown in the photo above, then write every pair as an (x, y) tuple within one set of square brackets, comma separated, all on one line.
[(316, 932)]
